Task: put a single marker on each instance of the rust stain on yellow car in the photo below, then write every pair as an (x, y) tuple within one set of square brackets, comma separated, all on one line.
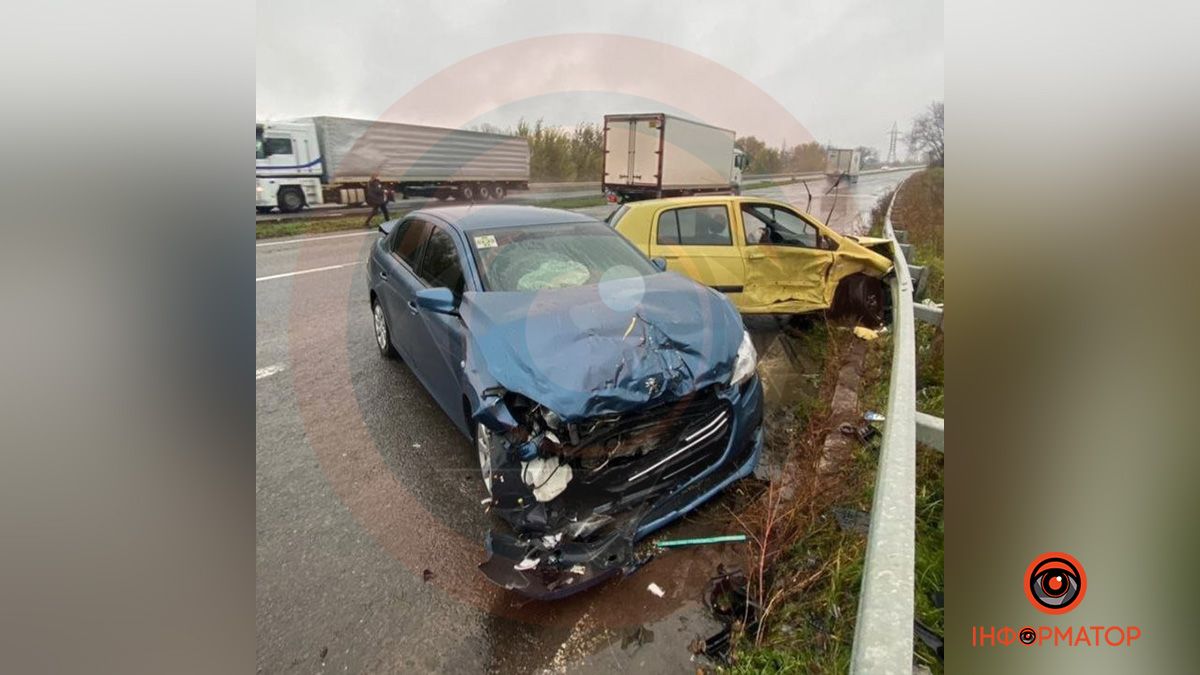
[(765, 255)]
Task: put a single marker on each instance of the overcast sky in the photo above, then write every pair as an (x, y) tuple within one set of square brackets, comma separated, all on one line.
[(845, 69)]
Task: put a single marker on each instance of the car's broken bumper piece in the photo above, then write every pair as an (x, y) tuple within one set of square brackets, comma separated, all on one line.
[(587, 534)]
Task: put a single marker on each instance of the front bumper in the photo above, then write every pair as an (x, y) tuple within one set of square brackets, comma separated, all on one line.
[(567, 566)]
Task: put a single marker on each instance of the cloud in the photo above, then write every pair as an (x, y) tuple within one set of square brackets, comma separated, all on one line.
[(845, 70)]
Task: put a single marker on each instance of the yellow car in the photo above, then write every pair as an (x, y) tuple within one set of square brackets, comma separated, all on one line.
[(765, 255)]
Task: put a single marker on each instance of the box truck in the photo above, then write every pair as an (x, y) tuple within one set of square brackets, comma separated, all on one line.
[(650, 155), (844, 163), (317, 160)]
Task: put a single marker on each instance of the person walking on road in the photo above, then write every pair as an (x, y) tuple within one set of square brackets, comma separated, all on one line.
[(376, 199)]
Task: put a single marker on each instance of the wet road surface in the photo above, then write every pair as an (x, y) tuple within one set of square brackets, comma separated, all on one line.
[(369, 520)]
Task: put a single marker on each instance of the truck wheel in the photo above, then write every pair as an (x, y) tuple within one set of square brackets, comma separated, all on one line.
[(485, 192), (466, 193), (291, 199), (498, 192)]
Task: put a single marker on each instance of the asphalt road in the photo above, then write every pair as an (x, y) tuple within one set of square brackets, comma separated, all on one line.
[(368, 500)]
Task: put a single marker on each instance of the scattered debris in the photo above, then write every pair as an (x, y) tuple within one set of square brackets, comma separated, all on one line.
[(675, 543), (637, 636), (930, 638), (864, 433), (656, 589), (726, 599), (872, 416), (324, 651), (864, 333), (427, 575), (852, 520)]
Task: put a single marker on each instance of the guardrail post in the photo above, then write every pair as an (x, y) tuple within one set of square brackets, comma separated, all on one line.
[(923, 311), (931, 431)]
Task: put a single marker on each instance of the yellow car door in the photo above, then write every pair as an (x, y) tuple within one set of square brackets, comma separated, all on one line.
[(787, 261), (698, 241)]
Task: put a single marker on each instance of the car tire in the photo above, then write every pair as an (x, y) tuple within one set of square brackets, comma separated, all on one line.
[(383, 334), (483, 446), (291, 199), (498, 192), (861, 298)]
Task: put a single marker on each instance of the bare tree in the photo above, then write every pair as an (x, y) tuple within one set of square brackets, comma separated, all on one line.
[(929, 134)]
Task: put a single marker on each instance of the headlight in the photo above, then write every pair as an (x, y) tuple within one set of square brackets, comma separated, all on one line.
[(747, 360)]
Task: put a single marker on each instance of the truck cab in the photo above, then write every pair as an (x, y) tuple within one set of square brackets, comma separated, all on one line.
[(287, 166), (740, 161)]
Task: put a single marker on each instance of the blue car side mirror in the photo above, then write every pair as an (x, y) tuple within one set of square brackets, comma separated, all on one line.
[(660, 263), (386, 226), (439, 300)]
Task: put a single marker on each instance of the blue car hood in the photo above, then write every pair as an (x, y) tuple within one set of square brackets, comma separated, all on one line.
[(601, 349)]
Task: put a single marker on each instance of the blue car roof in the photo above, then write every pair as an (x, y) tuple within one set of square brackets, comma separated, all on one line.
[(482, 216)]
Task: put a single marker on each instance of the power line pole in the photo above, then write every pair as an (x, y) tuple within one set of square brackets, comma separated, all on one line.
[(894, 133)]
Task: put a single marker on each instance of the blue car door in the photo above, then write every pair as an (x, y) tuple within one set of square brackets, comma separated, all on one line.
[(398, 283), (437, 339)]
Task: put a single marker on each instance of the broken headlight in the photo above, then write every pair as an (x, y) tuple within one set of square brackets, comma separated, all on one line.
[(746, 362)]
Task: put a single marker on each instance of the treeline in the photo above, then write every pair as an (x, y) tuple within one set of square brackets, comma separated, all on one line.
[(805, 158), (557, 154)]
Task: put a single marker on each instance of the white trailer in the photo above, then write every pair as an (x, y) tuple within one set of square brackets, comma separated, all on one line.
[(330, 159), (650, 155), (843, 163)]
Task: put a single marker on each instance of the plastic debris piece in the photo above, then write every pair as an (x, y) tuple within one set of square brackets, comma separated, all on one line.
[(546, 476), (526, 564), (673, 543), (427, 575), (865, 333), (655, 589), (872, 416)]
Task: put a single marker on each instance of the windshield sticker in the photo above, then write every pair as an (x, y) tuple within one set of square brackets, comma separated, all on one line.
[(485, 241)]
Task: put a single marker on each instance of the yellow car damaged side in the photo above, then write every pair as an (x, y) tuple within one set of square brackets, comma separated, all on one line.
[(732, 244)]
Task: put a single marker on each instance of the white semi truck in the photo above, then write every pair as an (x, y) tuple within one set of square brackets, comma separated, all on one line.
[(316, 160), (843, 163), (651, 155)]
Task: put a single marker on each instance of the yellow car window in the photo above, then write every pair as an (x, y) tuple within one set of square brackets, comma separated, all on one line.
[(695, 226)]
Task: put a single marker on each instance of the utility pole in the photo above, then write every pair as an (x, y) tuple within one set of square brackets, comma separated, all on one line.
[(894, 133)]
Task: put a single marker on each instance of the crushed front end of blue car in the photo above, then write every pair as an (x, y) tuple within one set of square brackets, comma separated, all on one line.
[(608, 412)]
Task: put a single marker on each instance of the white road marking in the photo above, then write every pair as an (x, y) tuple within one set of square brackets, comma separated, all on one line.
[(315, 269), (268, 371), (304, 239)]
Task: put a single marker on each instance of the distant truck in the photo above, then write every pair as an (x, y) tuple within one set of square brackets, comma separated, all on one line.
[(843, 162), (319, 160), (651, 155)]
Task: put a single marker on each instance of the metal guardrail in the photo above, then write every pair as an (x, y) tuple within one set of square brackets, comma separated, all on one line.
[(883, 634)]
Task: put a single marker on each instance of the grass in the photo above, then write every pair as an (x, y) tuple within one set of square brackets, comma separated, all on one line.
[(813, 569)]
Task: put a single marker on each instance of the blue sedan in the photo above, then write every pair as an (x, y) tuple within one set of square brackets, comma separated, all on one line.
[(604, 396)]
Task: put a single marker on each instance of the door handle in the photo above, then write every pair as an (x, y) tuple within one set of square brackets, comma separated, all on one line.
[(412, 306), (382, 274)]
